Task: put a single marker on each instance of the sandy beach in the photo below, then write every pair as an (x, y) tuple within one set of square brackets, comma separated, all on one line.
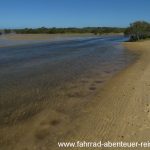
[(119, 111)]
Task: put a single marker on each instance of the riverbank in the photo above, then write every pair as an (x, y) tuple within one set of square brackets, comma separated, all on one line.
[(121, 110)]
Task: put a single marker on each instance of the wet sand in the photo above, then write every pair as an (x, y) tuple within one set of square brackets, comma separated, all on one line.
[(88, 109), (121, 110)]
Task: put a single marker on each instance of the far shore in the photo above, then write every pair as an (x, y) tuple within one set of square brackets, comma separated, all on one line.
[(19, 39), (44, 36)]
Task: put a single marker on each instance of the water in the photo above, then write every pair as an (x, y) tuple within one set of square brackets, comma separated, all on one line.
[(35, 75)]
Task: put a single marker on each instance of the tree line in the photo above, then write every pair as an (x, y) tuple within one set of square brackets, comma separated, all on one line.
[(94, 30)]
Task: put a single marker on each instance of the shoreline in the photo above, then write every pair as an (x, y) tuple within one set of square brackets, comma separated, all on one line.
[(121, 110), (118, 112)]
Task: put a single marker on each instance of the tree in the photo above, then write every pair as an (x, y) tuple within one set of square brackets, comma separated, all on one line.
[(138, 30)]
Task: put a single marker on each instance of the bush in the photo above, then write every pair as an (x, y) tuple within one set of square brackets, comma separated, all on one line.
[(138, 30)]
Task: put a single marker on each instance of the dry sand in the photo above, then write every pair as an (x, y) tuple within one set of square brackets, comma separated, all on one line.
[(120, 111)]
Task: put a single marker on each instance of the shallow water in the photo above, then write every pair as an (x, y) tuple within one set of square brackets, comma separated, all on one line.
[(51, 73)]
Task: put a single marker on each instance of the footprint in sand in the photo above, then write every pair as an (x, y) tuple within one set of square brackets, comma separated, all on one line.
[(92, 88), (147, 110), (55, 122)]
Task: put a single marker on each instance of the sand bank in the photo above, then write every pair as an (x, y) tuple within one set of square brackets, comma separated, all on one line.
[(50, 37), (21, 39)]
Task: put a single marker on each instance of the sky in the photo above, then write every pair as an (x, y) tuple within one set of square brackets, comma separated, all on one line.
[(72, 13)]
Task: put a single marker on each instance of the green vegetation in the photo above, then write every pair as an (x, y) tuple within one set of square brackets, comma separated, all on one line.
[(94, 30), (138, 30)]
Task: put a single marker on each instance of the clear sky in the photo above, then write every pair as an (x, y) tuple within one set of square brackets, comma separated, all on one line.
[(72, 13)]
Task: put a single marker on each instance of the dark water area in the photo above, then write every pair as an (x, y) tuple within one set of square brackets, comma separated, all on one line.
[(43, 72)]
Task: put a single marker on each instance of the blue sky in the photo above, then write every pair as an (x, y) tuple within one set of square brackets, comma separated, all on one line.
[(72, 13)]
